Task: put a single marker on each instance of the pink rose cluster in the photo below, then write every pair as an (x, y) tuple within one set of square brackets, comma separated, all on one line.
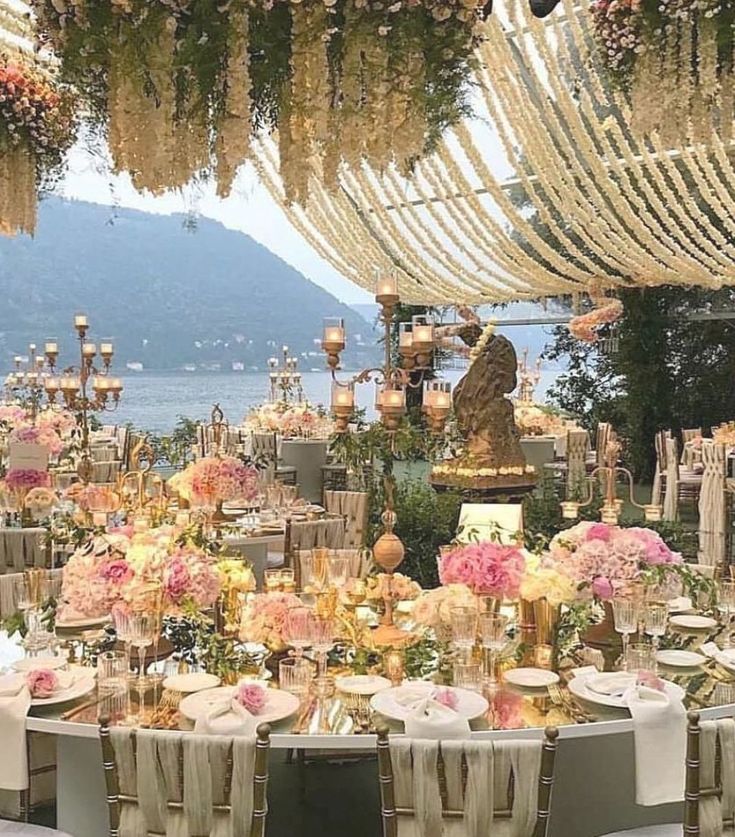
[(607, 558), (264, 618), (487, 568), (42, 682), (24, 479), (95, 576), (213, 480), (190, 575)]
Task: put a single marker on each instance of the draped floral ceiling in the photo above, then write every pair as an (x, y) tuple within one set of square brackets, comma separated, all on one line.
[(560, 184), (480, 156)]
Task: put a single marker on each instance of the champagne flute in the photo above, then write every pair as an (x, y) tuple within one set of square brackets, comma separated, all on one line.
[(625, 614), (492, 632), (322, 641), (298, 627)]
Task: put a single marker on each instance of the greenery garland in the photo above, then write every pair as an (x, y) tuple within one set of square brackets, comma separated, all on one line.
[(179, 86)]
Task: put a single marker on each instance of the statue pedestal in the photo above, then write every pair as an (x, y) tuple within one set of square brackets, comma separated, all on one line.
[(498, 493)]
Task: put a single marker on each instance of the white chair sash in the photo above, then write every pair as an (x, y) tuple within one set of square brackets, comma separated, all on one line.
[(713, 809), (671, 496), (489, 768), (152, 776), (307, 534)]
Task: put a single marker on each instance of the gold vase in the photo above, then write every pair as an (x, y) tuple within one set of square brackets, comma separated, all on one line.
[(546, 617)]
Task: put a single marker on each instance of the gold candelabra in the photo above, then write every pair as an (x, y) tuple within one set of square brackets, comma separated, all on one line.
[(140, 487), (608, 475), (416, 344), (75, 383), (528, 378), (26, 380), (285, 378)]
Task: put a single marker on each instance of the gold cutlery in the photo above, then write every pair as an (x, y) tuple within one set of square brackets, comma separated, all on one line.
[(567, 702)]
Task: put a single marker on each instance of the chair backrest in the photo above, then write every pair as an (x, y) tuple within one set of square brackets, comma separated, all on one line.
[(264, 447), (712, 504), (491, 521), (578, 444), (690, 433), (671, 497), (476, 781), (181, 783), (710, 776), (659, 441), (353, 506)]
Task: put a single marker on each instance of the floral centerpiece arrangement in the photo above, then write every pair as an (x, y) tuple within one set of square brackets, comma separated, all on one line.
[(36, 130), (671, 57), (264, 619), (291, 421), (139, 573), (433, 608), (402, 587), (340, 80), (604, 560), (487, 568), (538, 420), (546, 578), (213, 480)]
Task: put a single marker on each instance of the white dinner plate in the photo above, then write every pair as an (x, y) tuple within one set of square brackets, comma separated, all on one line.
[(469, 704), (531, 678), (693, 621), (35, 663), (81, 685), (195, 681), (680, 659), (362, 684), (83, 622), (278, 704), (578, 687), (726, 658)]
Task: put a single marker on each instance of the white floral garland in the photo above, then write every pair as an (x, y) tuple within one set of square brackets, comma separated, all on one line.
[(485, 337)]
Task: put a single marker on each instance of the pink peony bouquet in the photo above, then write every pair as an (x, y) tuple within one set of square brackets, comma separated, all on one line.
[(605, 558), (94, 577), (42, 683), (264, 619), (292, 421), (487, 568), (212, 480)]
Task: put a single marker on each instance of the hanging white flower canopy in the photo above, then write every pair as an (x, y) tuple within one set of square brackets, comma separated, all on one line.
[(546, 190)]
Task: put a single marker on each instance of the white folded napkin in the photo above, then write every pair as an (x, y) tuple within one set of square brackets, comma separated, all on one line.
[(431, 719), (15, 700), (659, 735), (227, 717), (614, 684)]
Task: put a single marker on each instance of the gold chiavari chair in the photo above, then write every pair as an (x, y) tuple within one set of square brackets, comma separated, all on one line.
[(424, 781), (162, 783), (709, 793)]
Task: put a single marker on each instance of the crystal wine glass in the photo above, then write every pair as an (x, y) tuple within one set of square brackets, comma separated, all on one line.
[(493, 628), (464, 629), (726, 607), (298, 628), (655, 620), (322, 641), (338, 570), (625, 614)]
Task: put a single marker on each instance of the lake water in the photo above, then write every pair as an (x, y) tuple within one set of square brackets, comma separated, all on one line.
[(155, 400)]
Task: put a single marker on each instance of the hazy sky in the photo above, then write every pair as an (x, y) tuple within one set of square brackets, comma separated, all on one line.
[(249, 208)]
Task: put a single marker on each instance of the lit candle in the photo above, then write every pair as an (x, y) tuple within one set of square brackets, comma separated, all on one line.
[(51, 384), (343, 397), (442, 399), (393, 398), (106, 349), (115, 385), (652, 512), (387, 287), (51, 348), (39, 362), (89, 350), (570, 510), (334, 336), (17, 360), (423, 334), (32, 348), (81, 321)]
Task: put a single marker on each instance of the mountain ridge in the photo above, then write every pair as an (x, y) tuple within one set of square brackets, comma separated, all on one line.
[(169, 297)]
